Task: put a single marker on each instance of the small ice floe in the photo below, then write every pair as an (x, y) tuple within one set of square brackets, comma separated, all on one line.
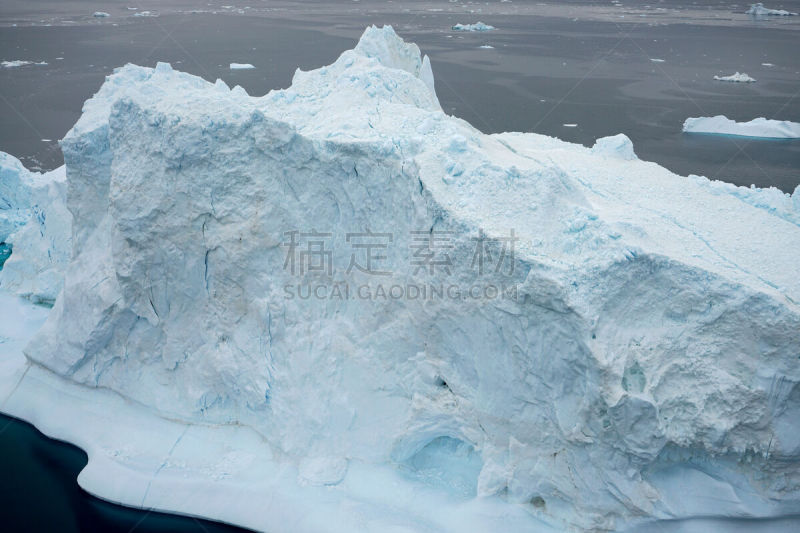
[(656, 60), (241, 66), (487, 47), (737, 78), (767, 65), (570, 125), (759, 127), (145, 14), (478, 26), (100, 14), (20, 63), (759, 10)]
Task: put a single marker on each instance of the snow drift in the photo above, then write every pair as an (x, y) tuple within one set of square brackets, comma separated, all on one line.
[(649, 343), (758, 127)]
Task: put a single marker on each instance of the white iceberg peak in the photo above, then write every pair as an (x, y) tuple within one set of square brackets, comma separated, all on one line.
[(391, 51)]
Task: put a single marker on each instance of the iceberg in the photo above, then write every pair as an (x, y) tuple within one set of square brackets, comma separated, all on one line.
[(759, 10), (35, 229), (20, 63), (600, 344), (758, 127), (100, 14), (737, 77), (478, 26), (241, 66)]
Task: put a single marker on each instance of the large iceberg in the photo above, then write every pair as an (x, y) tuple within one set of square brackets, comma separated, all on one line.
[(600, 342)]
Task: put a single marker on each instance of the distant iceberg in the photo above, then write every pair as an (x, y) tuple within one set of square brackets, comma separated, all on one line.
[(21, 63), (759, 10), (478, 26), (737, 78), (759, 127), (100, 14), (241, 66)]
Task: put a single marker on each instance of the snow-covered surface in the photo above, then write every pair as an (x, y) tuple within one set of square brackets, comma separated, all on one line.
[(758, 127), (241, 66), (737, 77), (759, 10), (20, 63), (648, 368), (35, 223), (478, 26), (619, 146)]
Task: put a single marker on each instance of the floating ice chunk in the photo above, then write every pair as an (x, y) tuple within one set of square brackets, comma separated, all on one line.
[(241, 66), (21, 63), (570, 125), (737, 78), (759, 10), (486, 47), (619, 146), (759, 127), (478, 26), (656, 60), (145, 14), (100, 14)]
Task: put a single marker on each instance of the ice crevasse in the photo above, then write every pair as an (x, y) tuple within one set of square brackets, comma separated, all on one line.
[(647, 368)]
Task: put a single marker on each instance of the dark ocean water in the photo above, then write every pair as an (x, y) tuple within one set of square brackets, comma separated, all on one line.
[(39, 492), (584, 63), (566, 62), (5, 253)]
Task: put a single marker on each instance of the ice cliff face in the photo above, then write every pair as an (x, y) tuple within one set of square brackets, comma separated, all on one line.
[(35, 223), (653, 336)]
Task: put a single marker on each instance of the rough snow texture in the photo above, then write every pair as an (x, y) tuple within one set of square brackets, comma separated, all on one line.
[(478, 26), (652, 342), (35, 223), (737, 78), (619, 146), (759, 10), (758, 127)]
